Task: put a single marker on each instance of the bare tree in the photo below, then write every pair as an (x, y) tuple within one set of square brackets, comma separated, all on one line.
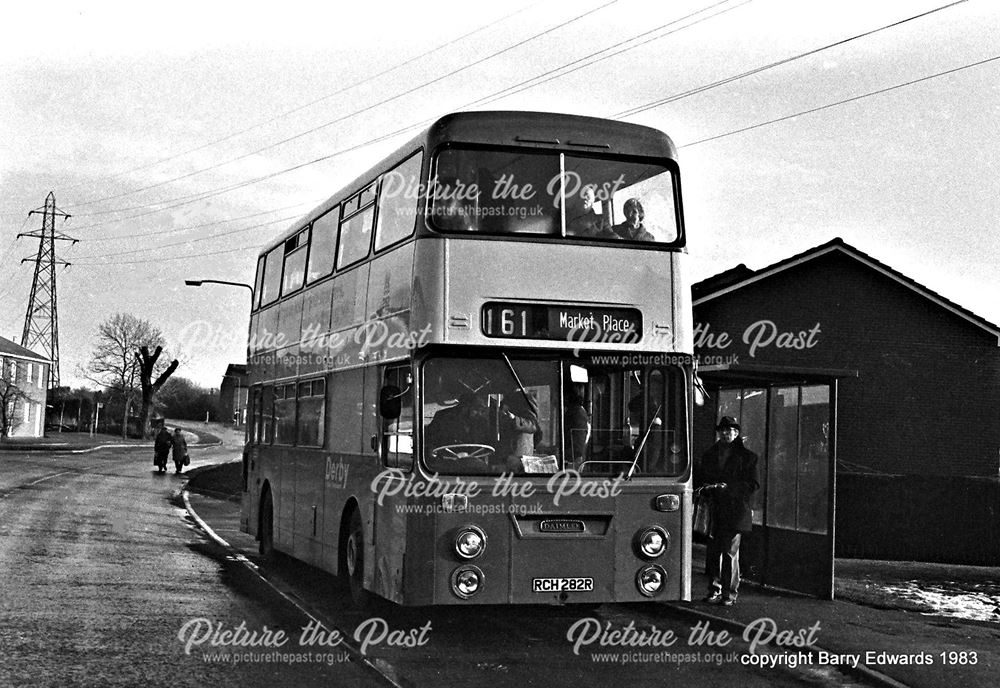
[(116, 363), (147, 364)]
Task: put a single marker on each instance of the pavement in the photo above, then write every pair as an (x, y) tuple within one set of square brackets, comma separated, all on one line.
[(887, 647), (83, 442), (874, 645)]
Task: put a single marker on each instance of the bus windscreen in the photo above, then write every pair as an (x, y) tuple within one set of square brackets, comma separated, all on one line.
[(494, 415), (554, 194)]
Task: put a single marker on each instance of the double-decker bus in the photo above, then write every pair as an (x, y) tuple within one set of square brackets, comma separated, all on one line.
[(471, 370)]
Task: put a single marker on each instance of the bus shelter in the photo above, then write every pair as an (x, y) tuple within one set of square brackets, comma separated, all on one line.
[(788, 417)]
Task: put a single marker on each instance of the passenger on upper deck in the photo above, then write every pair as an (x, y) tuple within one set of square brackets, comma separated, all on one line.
[(633, 228), (456, 196), (581, 217)]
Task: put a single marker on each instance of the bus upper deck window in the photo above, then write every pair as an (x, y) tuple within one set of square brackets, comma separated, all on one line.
[(550, 193), (619, 200)]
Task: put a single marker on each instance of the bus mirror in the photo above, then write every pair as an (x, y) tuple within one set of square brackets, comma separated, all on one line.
[(389, 404), (578, 374)]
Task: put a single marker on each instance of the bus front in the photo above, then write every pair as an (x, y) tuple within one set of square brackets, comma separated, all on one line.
[(551, 397)]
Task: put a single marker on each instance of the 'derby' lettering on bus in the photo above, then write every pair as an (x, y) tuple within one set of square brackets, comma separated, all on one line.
[(336, 473)]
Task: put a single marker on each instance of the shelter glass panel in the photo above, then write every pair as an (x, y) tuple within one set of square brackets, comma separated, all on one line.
[(814, 459), (782, 470)]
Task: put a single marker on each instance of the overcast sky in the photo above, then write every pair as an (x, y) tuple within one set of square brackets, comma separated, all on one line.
[(151, 123)]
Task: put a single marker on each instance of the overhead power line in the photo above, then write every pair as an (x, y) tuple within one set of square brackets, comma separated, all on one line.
[(840, 102), (186, 228), (321, 99), (192, 198), (165, 259), (816, 109), (507, 91), (552, 74), (736, 77), (357, 112), (187, 242)]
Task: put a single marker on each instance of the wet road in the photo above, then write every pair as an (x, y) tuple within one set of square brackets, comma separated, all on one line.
[(103, 570)]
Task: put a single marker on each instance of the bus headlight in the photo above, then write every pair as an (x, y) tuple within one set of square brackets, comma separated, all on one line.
[(650, 580), (466, 581), (470, 542), (652, 542)]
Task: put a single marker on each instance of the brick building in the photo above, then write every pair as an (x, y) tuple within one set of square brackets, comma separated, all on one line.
[(23, 389), (918, 441)]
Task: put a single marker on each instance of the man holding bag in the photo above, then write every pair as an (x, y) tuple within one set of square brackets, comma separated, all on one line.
[(728, 473)]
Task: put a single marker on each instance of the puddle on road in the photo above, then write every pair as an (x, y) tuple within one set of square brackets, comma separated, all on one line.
[(976, 601)]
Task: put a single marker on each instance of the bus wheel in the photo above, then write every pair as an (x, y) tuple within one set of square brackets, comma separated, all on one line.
[(354, 558), (267, 526)]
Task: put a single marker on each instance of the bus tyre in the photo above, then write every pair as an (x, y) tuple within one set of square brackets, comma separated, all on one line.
[(267, 526), (354, 563)]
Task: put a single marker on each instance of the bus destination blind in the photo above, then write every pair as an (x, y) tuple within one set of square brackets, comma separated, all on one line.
[(565, 323)]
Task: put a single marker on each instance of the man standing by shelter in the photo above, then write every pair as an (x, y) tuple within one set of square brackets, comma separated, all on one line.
[(728, 472)]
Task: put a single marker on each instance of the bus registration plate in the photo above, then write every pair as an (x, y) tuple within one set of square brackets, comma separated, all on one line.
[(562, 584)]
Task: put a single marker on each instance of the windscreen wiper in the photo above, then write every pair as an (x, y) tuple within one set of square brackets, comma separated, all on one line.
[(642, 442), (520, 387)]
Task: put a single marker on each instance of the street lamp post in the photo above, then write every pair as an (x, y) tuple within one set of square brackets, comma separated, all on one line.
[(198, 283)]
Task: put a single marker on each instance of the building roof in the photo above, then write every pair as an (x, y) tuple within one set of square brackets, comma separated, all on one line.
[(740, 276), (236, 370), (9, 348), (720, 281)]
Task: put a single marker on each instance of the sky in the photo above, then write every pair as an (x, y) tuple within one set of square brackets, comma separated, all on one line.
[(181, 138)]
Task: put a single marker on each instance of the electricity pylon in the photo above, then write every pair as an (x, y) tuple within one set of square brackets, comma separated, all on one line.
[(41, 322)]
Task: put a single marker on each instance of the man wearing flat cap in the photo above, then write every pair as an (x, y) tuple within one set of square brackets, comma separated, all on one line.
[(728, 474)]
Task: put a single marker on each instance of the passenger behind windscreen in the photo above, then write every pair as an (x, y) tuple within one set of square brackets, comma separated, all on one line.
[(633, 228), (582, 218)]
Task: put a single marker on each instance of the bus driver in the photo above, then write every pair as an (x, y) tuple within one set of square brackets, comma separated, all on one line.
[(467, 430)]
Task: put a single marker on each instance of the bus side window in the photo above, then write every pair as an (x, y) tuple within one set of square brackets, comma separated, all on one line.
[(267, 415), (396, 414), (311, 413), (252, 410), (345, 413)]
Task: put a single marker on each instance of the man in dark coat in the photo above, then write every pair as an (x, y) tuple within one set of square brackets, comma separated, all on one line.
[(161, 448), (180, 450), (470, 423), (728, 472)]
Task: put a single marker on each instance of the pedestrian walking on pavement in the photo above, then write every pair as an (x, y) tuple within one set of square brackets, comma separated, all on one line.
[(728, 473), (161, 449), (180, 450)]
